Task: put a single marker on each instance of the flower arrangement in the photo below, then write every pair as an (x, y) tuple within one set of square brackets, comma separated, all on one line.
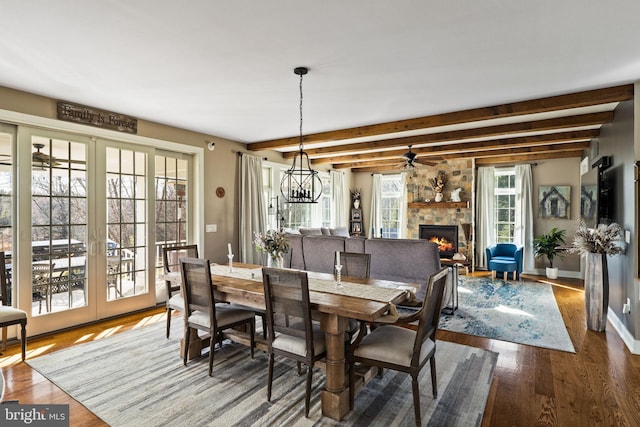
[(439, 181), (273, 242), (604, 239)]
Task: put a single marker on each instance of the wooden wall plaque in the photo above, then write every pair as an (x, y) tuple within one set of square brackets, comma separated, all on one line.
[(95, 117)]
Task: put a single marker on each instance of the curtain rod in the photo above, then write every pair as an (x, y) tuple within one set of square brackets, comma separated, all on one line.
[(240, 153)]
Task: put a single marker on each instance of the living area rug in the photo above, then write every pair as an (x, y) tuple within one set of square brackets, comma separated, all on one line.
[(517, 311), (136, 378)]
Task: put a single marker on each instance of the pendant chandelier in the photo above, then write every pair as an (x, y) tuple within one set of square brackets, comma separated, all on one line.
[(300, 183)]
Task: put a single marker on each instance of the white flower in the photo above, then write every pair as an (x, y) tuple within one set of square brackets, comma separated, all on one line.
[(604, 239)]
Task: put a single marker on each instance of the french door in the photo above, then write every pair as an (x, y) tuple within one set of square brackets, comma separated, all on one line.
[(85, 229)]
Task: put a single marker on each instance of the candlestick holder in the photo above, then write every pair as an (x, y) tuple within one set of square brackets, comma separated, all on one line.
[(230, 256), (338, 275)]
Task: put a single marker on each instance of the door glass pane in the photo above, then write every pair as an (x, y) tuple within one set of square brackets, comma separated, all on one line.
[(126, 223), (6, 195), (59, 218), (171, 209)]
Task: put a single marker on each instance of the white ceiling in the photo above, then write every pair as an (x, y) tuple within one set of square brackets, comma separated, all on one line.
[(225, 68)]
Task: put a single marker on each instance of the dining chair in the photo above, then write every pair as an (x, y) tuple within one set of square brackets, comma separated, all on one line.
[(355, 264), (201, 311), (9, 315), (291, 333), (402, 349), (170, 261), (41, 288)]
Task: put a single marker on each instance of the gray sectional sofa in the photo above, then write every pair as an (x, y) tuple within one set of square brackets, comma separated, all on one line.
[(402, 260)]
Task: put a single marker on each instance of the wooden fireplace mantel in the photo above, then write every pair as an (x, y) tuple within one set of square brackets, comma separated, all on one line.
[(438, 205)]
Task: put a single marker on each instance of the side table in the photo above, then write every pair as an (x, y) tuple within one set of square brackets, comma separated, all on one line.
[(455, 265)]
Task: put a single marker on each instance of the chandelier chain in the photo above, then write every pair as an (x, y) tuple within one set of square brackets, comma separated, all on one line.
[(300, 111)]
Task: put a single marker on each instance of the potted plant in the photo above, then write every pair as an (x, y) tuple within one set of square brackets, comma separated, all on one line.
[(596, 244), (549, 245)]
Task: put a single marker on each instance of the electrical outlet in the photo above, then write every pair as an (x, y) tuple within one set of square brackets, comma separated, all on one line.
[(626, 308), (211, 228)]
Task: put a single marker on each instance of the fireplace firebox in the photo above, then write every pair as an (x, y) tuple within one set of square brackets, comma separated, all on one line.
[(445, 236)]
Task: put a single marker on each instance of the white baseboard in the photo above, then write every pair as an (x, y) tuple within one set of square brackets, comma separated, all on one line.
[(632, 344), (561, 273)]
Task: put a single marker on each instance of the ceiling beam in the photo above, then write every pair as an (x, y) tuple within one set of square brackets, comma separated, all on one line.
[(592, 119), (496, 153), (527, 158), (552, 103), (439, 150)]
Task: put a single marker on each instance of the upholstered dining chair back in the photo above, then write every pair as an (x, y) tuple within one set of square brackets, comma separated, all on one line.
[(171, 262), (291, 332), (430, 314), (9, 315), (394, 346), (355, 264), (201, 312)]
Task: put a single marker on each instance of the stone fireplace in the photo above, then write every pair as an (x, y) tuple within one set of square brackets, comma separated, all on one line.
[(445, 236), (423, 210)]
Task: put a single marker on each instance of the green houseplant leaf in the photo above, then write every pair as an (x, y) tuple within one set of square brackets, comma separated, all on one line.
[(549, 245)]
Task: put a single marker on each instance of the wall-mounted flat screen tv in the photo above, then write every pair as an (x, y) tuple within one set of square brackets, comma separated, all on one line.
[(589, 192)]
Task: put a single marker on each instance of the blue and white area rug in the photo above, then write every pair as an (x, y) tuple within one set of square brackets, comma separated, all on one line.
[(518, 311)]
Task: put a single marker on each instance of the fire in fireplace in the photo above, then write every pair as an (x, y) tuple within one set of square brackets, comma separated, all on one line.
[(445, 236)]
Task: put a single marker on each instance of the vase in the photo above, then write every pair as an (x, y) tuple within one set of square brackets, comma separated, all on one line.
[(596, 291), (275, 261), (356, 204), (439, 197)]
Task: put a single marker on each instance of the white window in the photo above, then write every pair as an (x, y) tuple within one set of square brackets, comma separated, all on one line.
[(391, 205), (505, 204), (294, 215)]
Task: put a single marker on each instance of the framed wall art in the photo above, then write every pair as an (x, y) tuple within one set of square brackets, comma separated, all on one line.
[(554, 201)]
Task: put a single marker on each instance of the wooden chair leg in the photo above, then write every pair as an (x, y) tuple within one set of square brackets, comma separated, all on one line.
[(168, 321), (212, 345), (253, 337), (187, 340), (24, 340), (270, 377), (307, 396), (4, 338), (416, 398), (434, 380)]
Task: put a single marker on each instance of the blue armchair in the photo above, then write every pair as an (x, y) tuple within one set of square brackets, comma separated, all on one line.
[(505, 258)]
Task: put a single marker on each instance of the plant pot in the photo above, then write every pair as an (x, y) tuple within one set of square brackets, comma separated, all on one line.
[(552, 273), (596, 291)]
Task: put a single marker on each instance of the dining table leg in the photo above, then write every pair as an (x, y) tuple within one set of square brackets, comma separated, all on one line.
[(335, 396)]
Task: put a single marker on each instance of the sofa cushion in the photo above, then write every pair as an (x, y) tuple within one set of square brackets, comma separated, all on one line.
[(354, 244), (339, 231), (325, 231), (294, 258), (311, 231), (320, 252)]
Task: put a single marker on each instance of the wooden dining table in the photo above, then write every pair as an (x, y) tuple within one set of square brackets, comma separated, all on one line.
[(333, 310)]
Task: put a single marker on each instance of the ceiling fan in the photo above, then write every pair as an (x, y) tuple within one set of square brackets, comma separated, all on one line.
[(411, 161), (40, 159)]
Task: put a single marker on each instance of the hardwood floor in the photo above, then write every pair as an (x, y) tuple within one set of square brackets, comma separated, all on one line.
[(599, 385)]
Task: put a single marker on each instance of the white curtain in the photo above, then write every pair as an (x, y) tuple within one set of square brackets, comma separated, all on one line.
[(484, 214), (375, 219), (338, 202), (252, 208), (402, 212), (523, 233)]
